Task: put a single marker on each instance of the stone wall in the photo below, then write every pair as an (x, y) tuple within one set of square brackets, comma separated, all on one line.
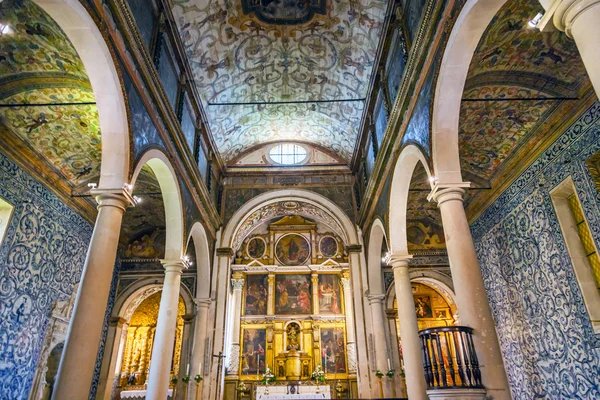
[(550, 350)]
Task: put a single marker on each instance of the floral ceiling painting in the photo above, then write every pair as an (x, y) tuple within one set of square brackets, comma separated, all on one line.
[(282, 70), (41, 70), (520, 84)]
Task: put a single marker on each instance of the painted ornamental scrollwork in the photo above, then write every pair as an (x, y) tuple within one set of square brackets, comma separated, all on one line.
[(234, 359), (351, 349)]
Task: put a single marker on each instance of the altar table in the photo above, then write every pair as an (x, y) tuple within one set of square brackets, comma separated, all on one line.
[(140, 394), (308, 392)]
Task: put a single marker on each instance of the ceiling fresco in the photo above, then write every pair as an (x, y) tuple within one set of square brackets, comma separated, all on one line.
[(38, 65), (519, 82), (263, 79)]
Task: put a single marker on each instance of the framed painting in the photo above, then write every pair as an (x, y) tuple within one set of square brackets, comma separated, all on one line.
[(256, 247), (333, 350), (423, 307), (293, 294), (254, 344), (292, 249), (328, 246), (329, 294), (257, 289)]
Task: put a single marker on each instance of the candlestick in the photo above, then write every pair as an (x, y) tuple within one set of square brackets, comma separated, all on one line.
[(200, 368), (389, 365), (187, 371)]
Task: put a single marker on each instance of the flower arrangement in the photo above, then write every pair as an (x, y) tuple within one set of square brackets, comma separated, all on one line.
[(185, 379), (268, 376), (379, 374), (402, 374), (174, 380), (390, 373), (318, 374), (198, 378)]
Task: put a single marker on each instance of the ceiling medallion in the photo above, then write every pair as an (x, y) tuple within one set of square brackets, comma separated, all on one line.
[(291, 205), (284, 12)]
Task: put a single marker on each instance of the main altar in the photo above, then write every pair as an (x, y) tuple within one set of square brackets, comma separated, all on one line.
[(290, 282)]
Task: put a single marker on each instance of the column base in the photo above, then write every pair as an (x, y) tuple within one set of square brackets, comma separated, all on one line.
[(458, 393)]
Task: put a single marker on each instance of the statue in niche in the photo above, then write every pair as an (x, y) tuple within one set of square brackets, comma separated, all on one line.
[(292, 337)]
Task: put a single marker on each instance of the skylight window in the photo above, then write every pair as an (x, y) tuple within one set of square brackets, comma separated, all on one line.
[(288, 154)]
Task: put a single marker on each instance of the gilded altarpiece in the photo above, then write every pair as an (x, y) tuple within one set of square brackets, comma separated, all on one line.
[(293, 314)]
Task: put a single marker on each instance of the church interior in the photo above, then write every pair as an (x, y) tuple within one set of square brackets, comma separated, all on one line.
[(299, 199)]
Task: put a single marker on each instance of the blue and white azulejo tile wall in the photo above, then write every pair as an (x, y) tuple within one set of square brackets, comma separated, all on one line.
[(550, 350)]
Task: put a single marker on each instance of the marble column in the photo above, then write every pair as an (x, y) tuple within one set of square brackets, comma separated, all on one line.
[(78, 361), (185, 359), (315, 293), (379, 338), (471, 298), (164, 337), (237, 283), (409, 330), (197, 360), (112, 349), (580, 20), (271, 294), (349, 314)]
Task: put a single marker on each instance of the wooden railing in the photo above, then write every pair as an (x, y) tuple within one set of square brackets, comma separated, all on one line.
[(449, 358)]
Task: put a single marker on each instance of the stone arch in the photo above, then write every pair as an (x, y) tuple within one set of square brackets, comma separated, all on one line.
[(403, 171), (200, 240), (470, 25), (377, 237), (171, 194), (91, 47), (440, 282)]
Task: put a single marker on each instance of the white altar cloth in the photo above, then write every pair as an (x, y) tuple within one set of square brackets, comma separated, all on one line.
[(308, 392), (140, 394)]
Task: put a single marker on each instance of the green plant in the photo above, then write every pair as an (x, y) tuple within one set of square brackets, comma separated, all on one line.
[(379, 374), (198, 378), (174, 380), (390, 373), (185, 379)]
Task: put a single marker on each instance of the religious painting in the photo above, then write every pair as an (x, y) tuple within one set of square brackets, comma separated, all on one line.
[(333, 354), (253, 351), (292, 249), (328, 246), (256, 247), (423, 307), (293, 294), (441, 313), (256, 294), (329, 294)]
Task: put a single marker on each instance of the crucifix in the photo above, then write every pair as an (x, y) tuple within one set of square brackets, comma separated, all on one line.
[(220, 356)]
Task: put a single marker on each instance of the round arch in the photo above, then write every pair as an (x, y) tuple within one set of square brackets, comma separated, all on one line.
[(167, 180), (377, 237), (87, 39), (200, 240), (403, 171), (470, 25), (275, 196)]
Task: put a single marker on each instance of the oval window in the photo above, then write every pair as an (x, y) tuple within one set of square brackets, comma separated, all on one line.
[(288, 154)]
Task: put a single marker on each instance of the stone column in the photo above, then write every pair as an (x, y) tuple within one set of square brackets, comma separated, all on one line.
[(197, 360), (379, 338), (110, 360), (315, 293), (78, 360), (409, 330), (237, 283), (271, 294), (349, 314), (471, 298), (185, 360), (164, 337), (580, 20)]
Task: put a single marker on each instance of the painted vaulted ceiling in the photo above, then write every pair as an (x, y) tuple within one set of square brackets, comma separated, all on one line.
[(40, 70), (271, 70)]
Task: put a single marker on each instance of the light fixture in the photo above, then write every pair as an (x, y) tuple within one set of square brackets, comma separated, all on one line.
[(137, 199), (128, 187), (92, 185), (5, 29), (536, 20), (433, 180)]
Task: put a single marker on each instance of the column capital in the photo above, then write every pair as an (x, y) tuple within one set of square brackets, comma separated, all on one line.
[(376, 298), (174, 265), (202, 302), (442, 192), (120, 198), (225, 252), (397, 260), (563, 14), (345, 283), (237, 283)]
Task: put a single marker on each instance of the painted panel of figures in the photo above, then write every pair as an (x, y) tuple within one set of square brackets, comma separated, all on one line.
[(333, 357), (329, 294), (292, 249), (253, 351), (293, 294), (423, 307), (256, 294)]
